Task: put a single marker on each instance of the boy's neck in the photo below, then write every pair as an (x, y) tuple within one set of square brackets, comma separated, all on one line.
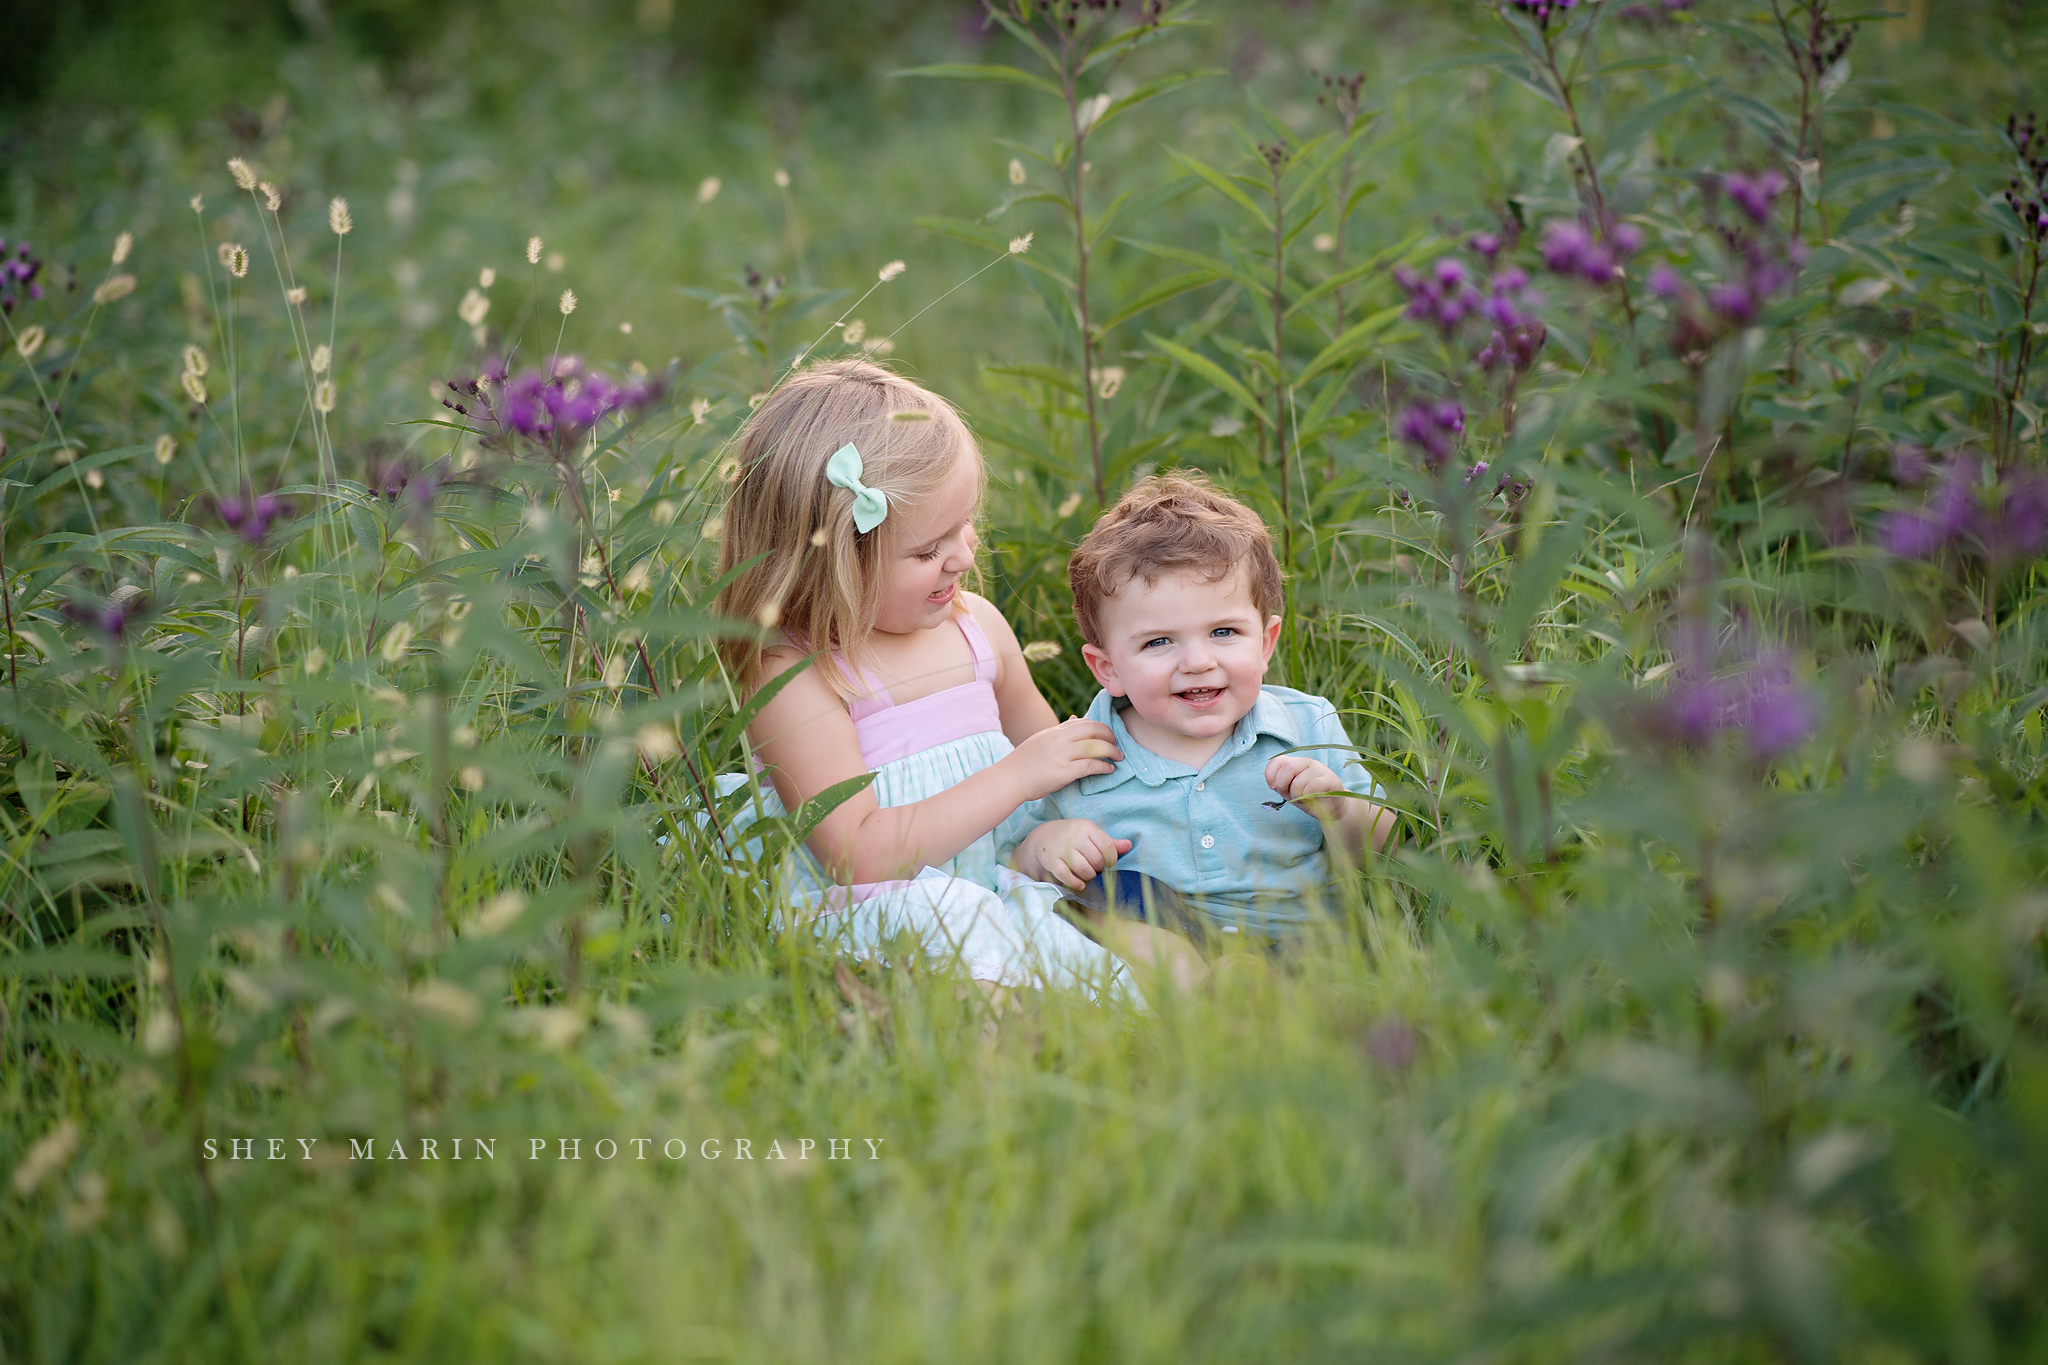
[(1168, 744)]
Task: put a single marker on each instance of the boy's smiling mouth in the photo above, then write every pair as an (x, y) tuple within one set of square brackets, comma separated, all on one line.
[(1199, 696)]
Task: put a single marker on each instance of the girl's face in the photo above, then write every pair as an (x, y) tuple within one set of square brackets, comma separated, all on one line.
[(934, 546)]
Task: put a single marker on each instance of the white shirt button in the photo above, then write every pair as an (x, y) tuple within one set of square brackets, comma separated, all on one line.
[(1201, 786), (1208, 841)]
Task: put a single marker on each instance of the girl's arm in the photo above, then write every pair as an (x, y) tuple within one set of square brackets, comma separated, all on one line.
[(806, 738), (1024, 711)]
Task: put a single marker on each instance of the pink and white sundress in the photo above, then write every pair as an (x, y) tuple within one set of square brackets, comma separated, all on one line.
[(995, 923)]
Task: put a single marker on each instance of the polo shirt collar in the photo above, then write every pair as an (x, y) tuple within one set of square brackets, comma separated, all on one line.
[(1268, 716)]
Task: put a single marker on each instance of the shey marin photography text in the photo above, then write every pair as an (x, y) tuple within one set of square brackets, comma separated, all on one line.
[(335, 1151)]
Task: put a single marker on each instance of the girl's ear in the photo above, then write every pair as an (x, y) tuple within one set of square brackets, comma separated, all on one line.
[(1104, 669), (1270, 640)]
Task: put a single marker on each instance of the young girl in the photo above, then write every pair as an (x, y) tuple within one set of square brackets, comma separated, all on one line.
[(859, 488)]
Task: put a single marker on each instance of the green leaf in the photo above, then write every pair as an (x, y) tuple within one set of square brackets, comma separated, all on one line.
[(1221, 269), (1353, 340), (1158, 294), (813, 812), (999, 75), (1044, 374), (1211, 371), (1350, 275), (1224, 186), (1149, 91)]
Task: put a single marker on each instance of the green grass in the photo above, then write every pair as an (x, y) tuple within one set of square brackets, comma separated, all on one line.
[(1637, 1049)]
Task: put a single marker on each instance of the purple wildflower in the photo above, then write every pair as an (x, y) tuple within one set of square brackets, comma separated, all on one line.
[(1487, 244), (1541, 10), (111, 618), (561, 403), (250, 515), (1444, 296), (1435, 428), (18, 276), (1568, 249), (1734, 301), (1665, 282), (1754, 194)]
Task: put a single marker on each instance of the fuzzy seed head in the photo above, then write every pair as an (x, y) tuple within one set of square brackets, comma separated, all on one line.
[(769, 615), (29, 341), (1016, 171), (245, 179), (707, 189), (338, 220), (473, 308), (272, 200), (165, 448), (117, 287), (891, 271), (95, 480), (818, 537), (195, 387), (568, 302), (323, 356), (700, 408), (853, 332), (323, 396), (296, 295), (123, 244), (533, 251), (486, 277), (781, 178), (235, 257), (195, 360), (198, 203), (1041, 651), (1020, 245)]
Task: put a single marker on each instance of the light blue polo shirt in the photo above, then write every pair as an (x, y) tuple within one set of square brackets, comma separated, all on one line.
[(1204, 832)]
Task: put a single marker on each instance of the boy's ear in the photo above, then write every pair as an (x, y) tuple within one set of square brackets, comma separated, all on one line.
[(1104, 670)]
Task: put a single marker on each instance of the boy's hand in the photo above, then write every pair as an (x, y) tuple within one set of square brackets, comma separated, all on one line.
[(1075, 749), (1070, 852), (1297, 776)]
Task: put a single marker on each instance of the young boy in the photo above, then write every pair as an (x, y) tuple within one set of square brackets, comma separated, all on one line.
[(1177, 593)]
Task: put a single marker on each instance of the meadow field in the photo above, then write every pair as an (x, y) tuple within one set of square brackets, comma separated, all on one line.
[(1648, 400)]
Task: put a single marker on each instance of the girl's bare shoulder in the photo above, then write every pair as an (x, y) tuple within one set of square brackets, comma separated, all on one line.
[(991, 622)]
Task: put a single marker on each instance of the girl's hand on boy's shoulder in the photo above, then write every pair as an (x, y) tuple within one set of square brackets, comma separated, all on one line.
[(1066, 753)]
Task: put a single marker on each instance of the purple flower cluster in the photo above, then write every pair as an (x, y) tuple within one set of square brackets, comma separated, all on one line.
[(2002, 520), (1447, 296), (1443, 296), (111, 618), (1756, 698), (1434, 428), (1569, 249), (18, 275), (1506, 483), (1541, 10), (556, 404), (250, 515), (1754, 194), (1761, 262), (2029, 201)]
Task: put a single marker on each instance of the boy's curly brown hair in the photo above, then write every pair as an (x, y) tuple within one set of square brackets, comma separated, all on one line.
[(1171, 523)]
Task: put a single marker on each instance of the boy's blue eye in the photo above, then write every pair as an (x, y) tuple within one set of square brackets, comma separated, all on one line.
[(1157, 640), (1224, 630)]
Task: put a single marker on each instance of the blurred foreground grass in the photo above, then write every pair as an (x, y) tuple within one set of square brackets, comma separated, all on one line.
[(1656, 1042)]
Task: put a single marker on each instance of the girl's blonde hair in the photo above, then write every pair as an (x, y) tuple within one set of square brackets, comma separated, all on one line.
[(819, 579)]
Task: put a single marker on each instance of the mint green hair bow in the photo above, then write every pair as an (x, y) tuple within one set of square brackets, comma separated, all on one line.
[(870, 505)]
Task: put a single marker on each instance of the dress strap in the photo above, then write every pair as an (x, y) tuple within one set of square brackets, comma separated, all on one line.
[(978, 645), (877, 698)]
